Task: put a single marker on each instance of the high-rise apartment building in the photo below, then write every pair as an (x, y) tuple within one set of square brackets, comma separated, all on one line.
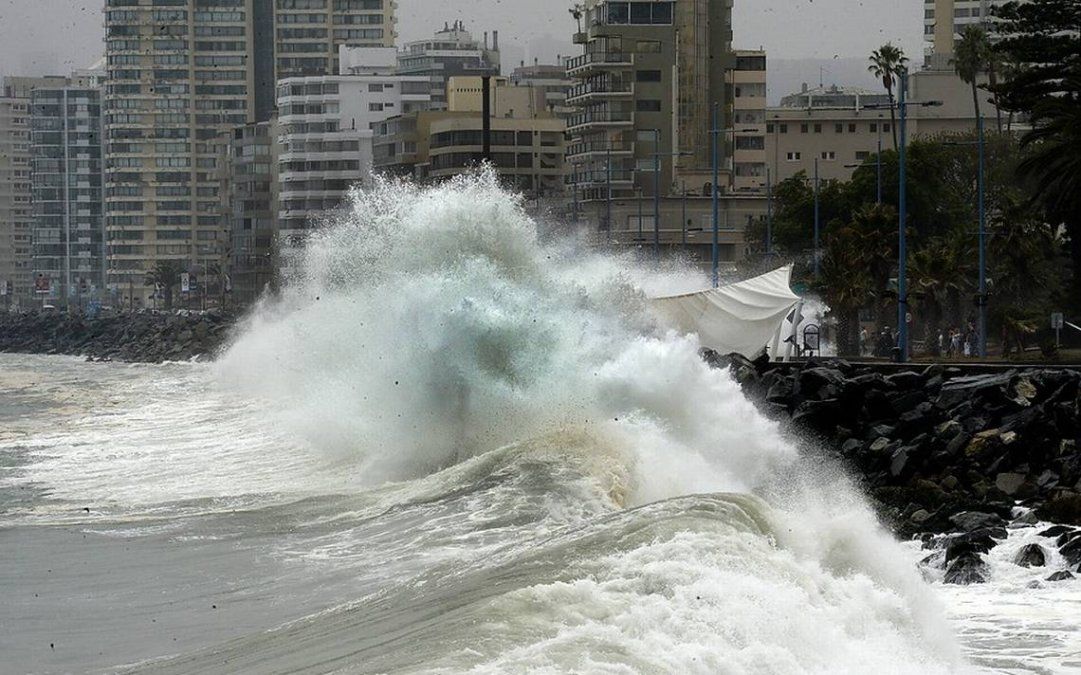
[(651, 75), (67, 200), (16, 213), (180, 74), (326, 131), (249, 187), (451, 52)]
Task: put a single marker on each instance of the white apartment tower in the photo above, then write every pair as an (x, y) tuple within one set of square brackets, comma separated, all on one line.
[(180, 74), (326, 131)]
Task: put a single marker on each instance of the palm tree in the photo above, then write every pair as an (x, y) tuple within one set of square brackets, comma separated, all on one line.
[(846, 282), (166, 274), (971, 58), (887, 63)]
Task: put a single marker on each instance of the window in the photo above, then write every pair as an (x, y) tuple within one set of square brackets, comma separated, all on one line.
[(874, 127), (838, 128), (818, 128), (829, 155), (863, 156), (769, 128), (852, 128), (375, 107), (784, 128), (375, 88), (793, 157), (647, 105), (648, 76), (886, 127), (804, 128)]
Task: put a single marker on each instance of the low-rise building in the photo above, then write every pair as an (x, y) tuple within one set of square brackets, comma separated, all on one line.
[(840, 128), (451, 52), (527, 140), (552, 80)]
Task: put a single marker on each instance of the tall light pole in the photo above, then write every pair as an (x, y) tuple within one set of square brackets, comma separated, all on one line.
[(902, 240), (818, 212), (878, 162), (981, 187), (769, 215), (716, 197), (683, 217), (656, 194), (902, 209)]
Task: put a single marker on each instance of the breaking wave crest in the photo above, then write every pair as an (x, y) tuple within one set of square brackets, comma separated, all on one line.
[(432, 340)]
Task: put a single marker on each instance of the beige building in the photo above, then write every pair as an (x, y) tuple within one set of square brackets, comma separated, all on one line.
[(941, 35), (179, 76), (552, 79), (527, 140), (843, 127), (747, 125)]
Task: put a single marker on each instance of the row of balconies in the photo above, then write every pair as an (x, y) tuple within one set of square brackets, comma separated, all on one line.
[(599, 119), (602, 89), (580, 65)]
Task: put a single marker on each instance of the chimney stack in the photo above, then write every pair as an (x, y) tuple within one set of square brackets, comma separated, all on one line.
[(495, 41)]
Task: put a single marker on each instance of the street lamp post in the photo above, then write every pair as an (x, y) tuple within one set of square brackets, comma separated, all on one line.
[(769, 215), (878, 162), (902, 240), (716, 197), (817, 217), (902, 209), (608, 195), (683, 217), (981, 187), (656, 194)]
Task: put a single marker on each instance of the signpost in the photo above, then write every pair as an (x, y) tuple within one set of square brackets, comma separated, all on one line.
[(185, 282)]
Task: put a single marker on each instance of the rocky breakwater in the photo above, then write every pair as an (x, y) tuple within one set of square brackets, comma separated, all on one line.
[(949, 455), (138, 338)]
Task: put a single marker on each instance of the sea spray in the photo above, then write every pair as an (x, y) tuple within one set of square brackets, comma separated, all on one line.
[(431, 326)]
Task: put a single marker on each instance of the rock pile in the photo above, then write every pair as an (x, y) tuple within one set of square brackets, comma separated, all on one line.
[(943, 453), (139, 338)]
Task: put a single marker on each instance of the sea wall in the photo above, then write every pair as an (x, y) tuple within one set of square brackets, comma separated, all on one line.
[(949, 454), (138, 338)]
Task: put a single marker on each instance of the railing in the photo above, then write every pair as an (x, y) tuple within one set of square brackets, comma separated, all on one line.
[(603, 147), (604, 87), (602, 177), (613, 58), (582, 119)]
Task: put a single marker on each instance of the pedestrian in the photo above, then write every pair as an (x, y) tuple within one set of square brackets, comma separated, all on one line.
[(863, 341)]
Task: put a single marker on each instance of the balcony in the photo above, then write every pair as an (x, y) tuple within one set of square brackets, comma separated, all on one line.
[(602, 148), (599, 90), (585, 63), (604, 119), (595, 178)]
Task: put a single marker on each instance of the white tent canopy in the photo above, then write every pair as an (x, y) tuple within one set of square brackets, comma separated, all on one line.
[(743, 317)]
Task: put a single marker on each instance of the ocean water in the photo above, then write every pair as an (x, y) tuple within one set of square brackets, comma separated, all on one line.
[(453, 447)]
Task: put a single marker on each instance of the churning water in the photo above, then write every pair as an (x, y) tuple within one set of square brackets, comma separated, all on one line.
[(452, 447)]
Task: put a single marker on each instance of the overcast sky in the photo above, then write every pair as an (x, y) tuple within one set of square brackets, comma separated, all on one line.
[(56, 35)]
